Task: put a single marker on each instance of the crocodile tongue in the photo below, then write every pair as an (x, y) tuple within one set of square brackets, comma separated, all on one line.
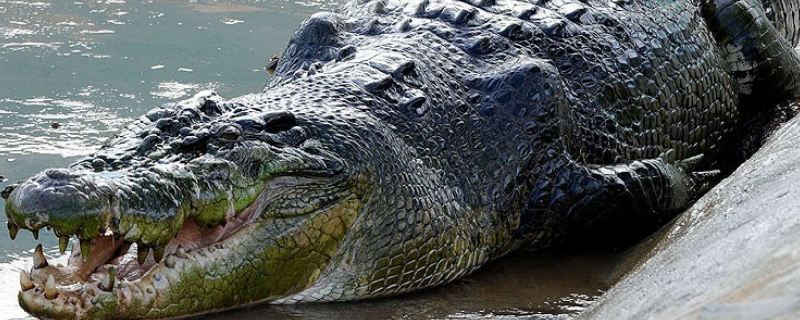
[(103, 250)]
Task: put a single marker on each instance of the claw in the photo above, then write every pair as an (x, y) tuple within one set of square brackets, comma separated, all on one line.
[(39, 261), (107, 284), (668, 156), (13, 229), (25, 282), (35, 234), (86, 248), (703, 180), (62, 244), (705, 175), (691, 163), (50, 288)]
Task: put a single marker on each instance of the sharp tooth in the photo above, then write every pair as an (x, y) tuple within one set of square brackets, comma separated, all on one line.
[(141, 254), (180, 252), (86, 248), (62, 244), (107, 284), (124, 248), (25, 281), (158, 253), (39, 260), (170, 261), (35, 234), (13, 229), (50, 288)]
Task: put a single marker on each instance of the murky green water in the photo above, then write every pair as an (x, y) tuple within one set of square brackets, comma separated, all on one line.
[(73, 72)]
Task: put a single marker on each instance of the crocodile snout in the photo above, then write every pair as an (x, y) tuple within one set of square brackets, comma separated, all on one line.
[(62, 198)]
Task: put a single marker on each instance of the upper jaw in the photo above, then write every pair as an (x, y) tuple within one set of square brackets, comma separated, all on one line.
[(202, 159), (142, 206), (149, 205)]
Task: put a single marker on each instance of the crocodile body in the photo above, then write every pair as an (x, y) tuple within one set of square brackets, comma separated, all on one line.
[(402, 145)]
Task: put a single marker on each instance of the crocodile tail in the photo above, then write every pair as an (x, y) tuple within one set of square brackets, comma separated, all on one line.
[(785, 15), (759, 56)]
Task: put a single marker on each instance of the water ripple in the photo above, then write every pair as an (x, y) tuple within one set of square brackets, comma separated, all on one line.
[(55, 126), (176, 90)]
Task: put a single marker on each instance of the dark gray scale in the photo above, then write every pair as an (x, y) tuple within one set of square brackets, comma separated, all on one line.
[(761, 60), (542, 117)]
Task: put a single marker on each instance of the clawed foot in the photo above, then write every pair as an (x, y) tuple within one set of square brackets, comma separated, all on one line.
[(698, 182)]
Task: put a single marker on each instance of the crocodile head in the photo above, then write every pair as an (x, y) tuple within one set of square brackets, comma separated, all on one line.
[(196, 207)]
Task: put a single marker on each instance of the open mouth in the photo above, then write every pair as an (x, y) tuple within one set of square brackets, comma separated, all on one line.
[(108, 275), (108, 264)]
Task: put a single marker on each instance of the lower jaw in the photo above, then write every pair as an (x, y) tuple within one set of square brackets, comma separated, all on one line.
[(253, 265), (153, 294)]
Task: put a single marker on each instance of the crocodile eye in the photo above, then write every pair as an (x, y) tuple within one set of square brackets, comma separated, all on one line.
[(250, 123), (277, 121)]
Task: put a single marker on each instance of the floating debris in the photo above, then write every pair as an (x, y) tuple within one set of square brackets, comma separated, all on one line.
[(273, 64)]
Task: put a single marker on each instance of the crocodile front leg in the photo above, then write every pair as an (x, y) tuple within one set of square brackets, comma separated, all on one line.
[(635, 197)]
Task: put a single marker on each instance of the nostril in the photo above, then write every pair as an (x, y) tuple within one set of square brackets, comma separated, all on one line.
[(7, 191)]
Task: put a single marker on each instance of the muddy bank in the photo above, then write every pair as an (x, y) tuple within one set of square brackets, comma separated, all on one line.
[(734, 255)]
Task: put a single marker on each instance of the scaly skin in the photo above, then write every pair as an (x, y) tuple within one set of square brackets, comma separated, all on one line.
[(403, 145)]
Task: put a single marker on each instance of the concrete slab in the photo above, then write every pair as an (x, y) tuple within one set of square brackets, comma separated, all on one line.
[(734, 255)]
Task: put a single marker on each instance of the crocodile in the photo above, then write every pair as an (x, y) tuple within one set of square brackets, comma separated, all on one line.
[(402, 145)]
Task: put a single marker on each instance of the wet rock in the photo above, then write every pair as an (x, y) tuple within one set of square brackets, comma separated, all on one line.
[(734, 255)]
